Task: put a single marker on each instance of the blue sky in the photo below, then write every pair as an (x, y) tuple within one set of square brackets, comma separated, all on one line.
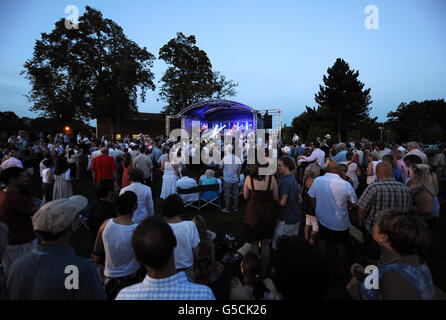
[(278, 51)]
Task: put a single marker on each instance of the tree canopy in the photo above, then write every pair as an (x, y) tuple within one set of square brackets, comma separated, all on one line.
[(420, 121), (94, 71), (344, 97), (189, 78)]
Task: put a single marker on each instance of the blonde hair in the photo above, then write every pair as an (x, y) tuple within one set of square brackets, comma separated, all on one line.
[(209, 173), (313, 170), (425, 177)]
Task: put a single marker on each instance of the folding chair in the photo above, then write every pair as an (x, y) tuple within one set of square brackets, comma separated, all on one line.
[(194, 204), (201, 203), (215, 201)]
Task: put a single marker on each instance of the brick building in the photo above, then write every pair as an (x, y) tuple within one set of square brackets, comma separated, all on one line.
[(152, 124)]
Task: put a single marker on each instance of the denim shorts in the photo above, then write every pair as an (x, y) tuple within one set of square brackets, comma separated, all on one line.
[(230, 190)]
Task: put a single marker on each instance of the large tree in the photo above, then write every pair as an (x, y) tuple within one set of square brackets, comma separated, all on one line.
[(189, 78), (345, 98), (421, 121), (94, 71)]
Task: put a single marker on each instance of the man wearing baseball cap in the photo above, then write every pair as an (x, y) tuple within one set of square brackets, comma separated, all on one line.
[(52, 271)]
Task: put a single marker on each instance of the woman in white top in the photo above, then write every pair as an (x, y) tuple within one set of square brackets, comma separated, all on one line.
[(47, 180), (371, 168), (186, 234), (115, 240), (170, 177), (62, 180), (164, 157), (353, 171)]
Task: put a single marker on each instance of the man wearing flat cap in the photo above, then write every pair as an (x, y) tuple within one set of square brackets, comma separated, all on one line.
[(52, 271)]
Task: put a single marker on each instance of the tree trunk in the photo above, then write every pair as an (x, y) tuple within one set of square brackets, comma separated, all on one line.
[(339, 131)]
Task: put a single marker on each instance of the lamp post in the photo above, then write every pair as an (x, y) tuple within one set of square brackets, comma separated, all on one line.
[(381, 128)]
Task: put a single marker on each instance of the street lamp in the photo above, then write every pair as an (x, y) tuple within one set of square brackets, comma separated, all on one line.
[(381, 128)]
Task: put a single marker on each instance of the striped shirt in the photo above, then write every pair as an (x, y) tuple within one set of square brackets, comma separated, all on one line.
[(384, 195), (176, 287)]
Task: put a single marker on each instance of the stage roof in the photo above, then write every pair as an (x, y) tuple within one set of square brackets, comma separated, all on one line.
[(218, 110)]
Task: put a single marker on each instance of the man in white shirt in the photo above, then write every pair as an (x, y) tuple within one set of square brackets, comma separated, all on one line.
[(330, 195), (187, 182), (144, 194), (317, 154)]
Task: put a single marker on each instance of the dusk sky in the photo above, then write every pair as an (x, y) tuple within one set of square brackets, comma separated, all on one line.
[(278, 51)]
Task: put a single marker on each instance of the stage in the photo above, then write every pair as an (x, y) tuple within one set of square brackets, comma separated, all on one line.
[(220, 115)]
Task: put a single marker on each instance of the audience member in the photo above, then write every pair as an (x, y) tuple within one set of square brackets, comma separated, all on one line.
[(254, 287), (330, 196), (154, 244), (62, 180), (402, 272), (231, 165), (102, 208), (144, 194), (52, 271), (104, 167), (311, 224), (186, 234), (114, 240), (16, 211), (262, 195), (386, 194), (289, 217)]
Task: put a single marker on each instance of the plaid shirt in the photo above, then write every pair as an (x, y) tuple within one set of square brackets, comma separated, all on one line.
[(176, 287), (384, 195)]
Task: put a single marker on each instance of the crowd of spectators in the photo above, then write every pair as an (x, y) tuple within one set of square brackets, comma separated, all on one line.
[(297, 220)]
